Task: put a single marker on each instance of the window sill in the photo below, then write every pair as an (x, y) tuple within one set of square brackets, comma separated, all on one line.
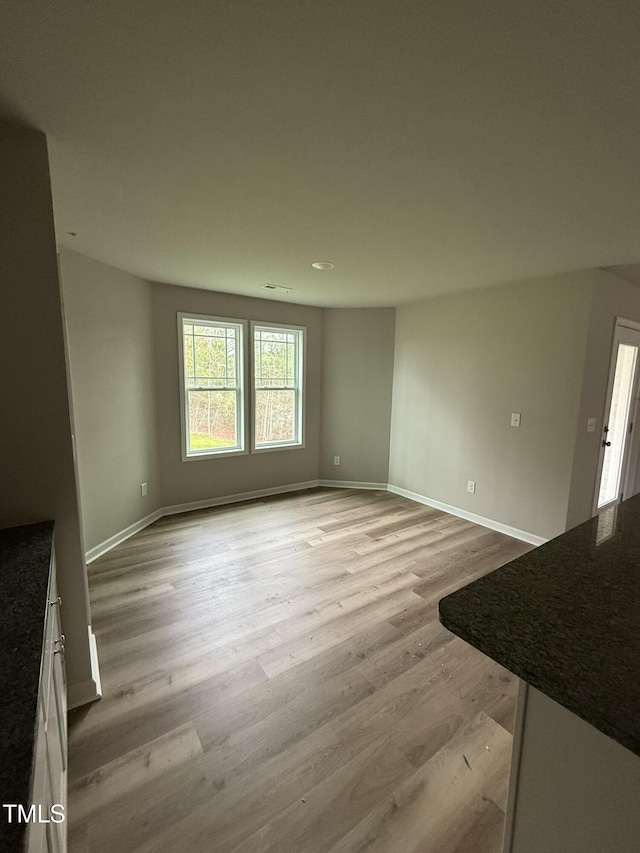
[(195, 457), (270, 448)]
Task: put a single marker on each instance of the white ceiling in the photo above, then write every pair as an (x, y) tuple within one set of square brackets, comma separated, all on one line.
[(422, 147)]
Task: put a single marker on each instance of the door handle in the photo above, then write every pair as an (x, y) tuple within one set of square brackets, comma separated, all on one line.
[(606, 444)]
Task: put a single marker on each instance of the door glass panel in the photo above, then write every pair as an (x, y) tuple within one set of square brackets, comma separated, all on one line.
[(618, 421)]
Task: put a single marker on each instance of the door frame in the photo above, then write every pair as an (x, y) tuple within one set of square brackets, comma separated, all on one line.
[(630, 451)]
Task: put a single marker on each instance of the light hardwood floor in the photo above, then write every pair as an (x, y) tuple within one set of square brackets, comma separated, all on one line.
[(276, 681)]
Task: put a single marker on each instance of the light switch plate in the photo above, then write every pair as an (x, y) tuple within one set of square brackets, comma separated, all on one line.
[(591, 424), (515, 419)]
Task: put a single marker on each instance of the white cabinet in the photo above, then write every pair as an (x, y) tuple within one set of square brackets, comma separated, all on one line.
[(48, 834), (572, 788)]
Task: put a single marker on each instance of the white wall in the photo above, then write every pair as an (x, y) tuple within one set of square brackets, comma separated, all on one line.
[(357, 380), (37, 473), (463, 364), (204, 479), (123, 350), (612, 297), (110, 340)]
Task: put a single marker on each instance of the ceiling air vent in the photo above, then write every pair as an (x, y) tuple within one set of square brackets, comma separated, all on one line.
[(277, 287)]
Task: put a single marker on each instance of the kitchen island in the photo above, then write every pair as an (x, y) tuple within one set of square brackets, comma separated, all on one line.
[(565, 618)]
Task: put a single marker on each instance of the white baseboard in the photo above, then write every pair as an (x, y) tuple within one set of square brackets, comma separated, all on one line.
[(352, 484), (87, 691), (137, 526), (237, 498), (514, 532), (93, 553)]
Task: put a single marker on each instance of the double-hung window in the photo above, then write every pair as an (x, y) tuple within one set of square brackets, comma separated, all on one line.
[(212, 375), (278, 380)]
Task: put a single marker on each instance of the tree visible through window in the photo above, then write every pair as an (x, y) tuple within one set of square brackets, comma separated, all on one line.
[(277, 372), (212, 372)]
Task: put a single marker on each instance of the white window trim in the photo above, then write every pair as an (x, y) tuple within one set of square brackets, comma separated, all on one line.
[(302, 391), (244, 384)]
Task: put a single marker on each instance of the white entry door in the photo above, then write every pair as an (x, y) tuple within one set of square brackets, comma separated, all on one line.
[(618, 451)]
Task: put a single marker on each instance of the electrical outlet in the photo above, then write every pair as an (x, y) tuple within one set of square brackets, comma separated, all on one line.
[(471, 486), (143, 489), (515, 419), (336, 460)]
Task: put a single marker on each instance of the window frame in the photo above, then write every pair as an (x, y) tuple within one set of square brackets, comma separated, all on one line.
[(300, 388), (242, 448)]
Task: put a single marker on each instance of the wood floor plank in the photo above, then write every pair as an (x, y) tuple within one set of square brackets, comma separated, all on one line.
[(196, 807), (327, 812), (418, 817), (405, 653), (78, 836), (333, 632), (276, 679), (125, 774), (282, 691), (287, 726), (122, 724)]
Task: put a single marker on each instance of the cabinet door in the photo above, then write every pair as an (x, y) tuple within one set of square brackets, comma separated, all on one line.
[(56, 725), (575, 790), (36, 832), (58, 685), (50, 770)]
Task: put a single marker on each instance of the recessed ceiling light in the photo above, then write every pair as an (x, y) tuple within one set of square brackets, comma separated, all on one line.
[(322, 265)]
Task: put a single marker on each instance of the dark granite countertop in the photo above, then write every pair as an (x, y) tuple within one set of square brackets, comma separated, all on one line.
[(566, 618), (25, 555)]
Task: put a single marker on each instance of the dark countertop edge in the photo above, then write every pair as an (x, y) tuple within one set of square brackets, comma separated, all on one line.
[(13, 837), (544, 685)]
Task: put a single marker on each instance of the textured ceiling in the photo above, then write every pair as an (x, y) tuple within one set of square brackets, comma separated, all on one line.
[(422, 147)]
